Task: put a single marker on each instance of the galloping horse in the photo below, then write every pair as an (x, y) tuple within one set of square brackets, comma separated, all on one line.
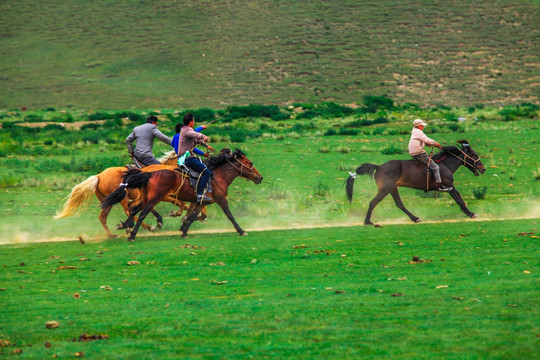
[(156, 186), (105, 183), (412, 173)]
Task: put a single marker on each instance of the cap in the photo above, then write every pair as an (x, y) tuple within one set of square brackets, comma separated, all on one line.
[(419, 122)]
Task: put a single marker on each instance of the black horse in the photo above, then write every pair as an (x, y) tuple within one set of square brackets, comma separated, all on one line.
[(412, 173)]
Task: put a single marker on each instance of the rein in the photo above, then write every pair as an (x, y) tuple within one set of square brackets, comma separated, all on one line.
[(242, 167), (465, 156)]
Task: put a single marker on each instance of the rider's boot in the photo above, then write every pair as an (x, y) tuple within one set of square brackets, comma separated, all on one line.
[(444, 188)]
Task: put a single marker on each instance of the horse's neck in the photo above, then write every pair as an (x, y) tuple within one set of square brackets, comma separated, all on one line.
[(226, 172), (453, 162)]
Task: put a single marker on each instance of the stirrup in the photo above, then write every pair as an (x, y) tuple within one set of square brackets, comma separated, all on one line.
[(444, 188)]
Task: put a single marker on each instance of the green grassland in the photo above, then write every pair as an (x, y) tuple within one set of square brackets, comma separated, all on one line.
[(308, 282), (304, 164), (350, 293), (138, 54)]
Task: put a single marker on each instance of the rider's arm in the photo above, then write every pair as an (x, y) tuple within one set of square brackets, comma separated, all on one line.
[(160, 136), (129, 142), (199, 129), (198, 152)]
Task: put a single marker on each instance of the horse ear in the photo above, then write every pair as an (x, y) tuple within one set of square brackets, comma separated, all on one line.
[(463, 142)]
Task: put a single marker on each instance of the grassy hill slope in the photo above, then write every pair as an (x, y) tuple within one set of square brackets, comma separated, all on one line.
[(171, 53)]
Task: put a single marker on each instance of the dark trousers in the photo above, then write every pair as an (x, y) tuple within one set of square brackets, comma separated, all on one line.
[(147, 161), (194, 163), (432, 165)]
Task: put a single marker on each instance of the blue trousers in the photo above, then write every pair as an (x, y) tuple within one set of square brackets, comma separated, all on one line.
[(196, 165)]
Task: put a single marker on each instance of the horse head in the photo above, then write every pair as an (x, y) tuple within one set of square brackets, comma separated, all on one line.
[(247, 170), (471, 159)]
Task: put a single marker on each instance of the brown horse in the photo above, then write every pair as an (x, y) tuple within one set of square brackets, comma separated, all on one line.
[(156, 186), (412, 174), (105, 183)]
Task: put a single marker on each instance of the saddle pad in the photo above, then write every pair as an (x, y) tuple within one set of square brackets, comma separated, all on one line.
[(193, 176)]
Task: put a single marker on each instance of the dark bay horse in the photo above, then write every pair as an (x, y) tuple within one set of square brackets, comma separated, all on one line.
[(156, 186), (413, 174)]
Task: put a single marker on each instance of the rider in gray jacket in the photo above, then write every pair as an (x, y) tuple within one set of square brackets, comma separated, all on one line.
[(144, 135)]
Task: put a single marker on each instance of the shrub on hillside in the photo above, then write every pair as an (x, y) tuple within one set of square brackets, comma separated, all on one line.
[(90, 126), (33, 118), (375, 103), (525, 110), (253, 111)]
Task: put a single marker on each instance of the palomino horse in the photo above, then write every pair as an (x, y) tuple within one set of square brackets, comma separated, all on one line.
[(156, 186), (412, 173), (104, 183)]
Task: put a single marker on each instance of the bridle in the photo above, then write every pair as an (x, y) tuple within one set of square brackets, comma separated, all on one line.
[(465, 157), (242, 166)]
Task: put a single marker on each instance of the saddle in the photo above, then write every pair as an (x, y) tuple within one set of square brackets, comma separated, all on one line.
[(193, 176)]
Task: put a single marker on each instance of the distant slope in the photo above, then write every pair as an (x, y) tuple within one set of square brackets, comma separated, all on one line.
[(212, 53)]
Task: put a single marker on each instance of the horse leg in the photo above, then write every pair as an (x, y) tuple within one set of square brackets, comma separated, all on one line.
[(146, 210), (131, 211), (459, 200), (203, 214), (103, 219), (377, 199), (159, 219), (181, 205), (190, 218), (224, 204), (399, 204)]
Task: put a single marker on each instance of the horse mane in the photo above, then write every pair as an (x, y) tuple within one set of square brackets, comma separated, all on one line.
[(167, 156), (446, 151), (222, 157)]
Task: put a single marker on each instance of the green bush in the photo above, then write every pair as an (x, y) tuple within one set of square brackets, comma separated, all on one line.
[(253, 111), (348, 132), (391, 150), (525, 110), (320, 190), (33, 118), (479, 193), (330, 132), (375, 103), (91, 126)]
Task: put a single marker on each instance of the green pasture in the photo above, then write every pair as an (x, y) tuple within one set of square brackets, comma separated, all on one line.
[(304, 163), (343, 292), (309, 281), (137, 54)]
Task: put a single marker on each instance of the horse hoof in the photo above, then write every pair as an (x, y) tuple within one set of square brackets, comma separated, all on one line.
[(474, 216), (112, 236), (418, 221), (131, 239), (152, 229), (159, 225), (243, 234), (183, 236), (120, 226), (377, 226), (173, 213)]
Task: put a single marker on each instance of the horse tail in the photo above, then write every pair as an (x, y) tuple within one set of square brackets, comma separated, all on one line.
[(135, 180), (365, 169), (77, 200)]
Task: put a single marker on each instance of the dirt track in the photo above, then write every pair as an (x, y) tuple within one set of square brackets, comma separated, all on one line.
[(231, 230)]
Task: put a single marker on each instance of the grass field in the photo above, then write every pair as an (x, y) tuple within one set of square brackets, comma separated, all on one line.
[(114, 54), (308, 282), (351, 292)]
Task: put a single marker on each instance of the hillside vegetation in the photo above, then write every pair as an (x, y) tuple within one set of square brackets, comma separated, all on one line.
[(168, 53)]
